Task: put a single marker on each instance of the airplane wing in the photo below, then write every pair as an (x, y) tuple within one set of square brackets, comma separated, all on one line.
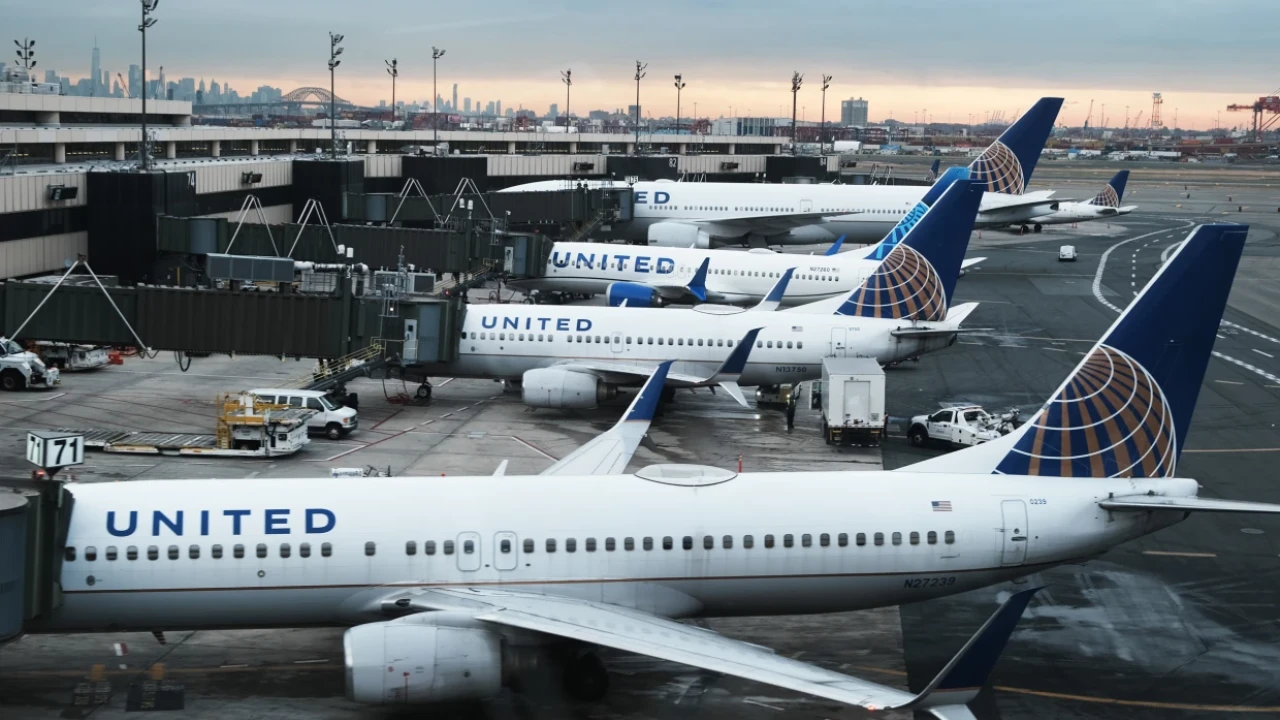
[(726, 376), (696, 287), (609, 453), (642, 633)]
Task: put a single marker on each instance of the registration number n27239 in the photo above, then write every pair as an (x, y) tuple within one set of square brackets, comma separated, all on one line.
[(929, 582)]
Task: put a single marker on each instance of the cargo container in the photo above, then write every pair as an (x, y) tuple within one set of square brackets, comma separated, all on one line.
[(852, 401)]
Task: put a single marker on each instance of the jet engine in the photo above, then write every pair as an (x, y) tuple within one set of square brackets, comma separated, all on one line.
[(402, 663), (635, 294), (556, 388), (674, 234)]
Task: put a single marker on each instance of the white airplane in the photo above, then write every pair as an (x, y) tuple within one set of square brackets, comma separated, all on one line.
[(648, 278), (462, 584), (700, 215), (576, 356), (1104, 206)]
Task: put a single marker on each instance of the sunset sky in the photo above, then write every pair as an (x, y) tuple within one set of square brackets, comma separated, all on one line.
[(907, 57)]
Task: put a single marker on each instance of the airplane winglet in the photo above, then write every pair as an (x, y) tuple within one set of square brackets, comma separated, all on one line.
[(835, 247), (645, 403), (773, 300), (737, 360), (963, 677), (698, 285), (609, 452)]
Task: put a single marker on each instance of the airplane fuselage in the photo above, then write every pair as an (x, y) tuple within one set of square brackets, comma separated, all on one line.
[(861, 213), (732, 276), (505, 341), (151, 555), (1074, 212)]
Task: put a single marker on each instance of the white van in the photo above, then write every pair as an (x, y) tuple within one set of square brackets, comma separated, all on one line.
[(333, 421)]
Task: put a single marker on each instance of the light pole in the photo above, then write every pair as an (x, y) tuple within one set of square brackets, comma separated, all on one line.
[(796, 81), (334, 62), (566, 76), (436, 54), (393, 69), (26, 56), (144, 145), (639, 74), (679, 86), (826, 83)]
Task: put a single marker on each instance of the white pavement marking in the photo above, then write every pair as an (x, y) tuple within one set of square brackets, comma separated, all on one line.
[(35, 399), (1164, 256), (763, 705), (1255, 333), (1097, 293), (1247, 366), (1229, 382), (1264, 354)]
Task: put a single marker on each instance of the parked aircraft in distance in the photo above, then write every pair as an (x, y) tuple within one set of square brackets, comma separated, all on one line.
[(1103, 206)]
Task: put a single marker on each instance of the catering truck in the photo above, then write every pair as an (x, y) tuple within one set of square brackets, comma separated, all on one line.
[(852, 401)]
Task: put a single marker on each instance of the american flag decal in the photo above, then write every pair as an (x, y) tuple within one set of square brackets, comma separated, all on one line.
[(941, 505)]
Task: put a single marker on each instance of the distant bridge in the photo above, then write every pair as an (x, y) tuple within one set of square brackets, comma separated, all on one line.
[(291, 103)]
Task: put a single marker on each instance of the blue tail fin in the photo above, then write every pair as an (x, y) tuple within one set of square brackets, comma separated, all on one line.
[(1125, 410), (1006, 165), (918, 276), (933, 169), (1113, 193), (698, 285), (835, 247), (899, 231), (645, 403)]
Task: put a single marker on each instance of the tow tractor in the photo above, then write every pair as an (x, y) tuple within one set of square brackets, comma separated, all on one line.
[(20, 370), (961, 425)]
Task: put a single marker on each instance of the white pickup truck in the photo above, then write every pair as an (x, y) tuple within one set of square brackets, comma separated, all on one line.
[(963, 425), (20, 370)]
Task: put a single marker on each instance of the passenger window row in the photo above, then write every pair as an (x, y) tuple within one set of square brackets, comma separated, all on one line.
[(216, 552), (551, 545), (761, 273)]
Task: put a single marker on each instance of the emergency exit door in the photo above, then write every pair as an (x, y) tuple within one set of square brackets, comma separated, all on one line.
[(1015, 532), (506, 553)]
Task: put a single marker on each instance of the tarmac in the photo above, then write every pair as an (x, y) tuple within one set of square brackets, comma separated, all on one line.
[(1180, 624)]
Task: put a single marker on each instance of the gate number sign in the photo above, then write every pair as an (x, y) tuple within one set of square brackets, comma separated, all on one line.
[(54, 449)]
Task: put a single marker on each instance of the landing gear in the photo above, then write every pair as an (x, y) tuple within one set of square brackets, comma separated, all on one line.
[(424, 391), (1038, 227), (668, 394), (586, 678)]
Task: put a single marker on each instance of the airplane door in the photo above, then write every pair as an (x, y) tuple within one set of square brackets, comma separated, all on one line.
[(838, 336), (506, 552), (1015, 532), (615, 343), (806, 206), (469, 551)]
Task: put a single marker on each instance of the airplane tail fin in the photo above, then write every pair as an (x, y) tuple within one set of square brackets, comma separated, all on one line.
[(1113, 193), (1006, 165), (1125, 409), (917, 277), (933, 170), (835, 247), (881, 249)]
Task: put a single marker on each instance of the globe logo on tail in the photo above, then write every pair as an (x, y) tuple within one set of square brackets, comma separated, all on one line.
[(1000, 169), (1107, 198), (1111, 420), (905, 286)]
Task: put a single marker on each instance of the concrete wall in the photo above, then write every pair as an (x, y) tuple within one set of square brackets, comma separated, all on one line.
[(553, 165), (49, 253), (383, 165), (23, 193), (227, 176)]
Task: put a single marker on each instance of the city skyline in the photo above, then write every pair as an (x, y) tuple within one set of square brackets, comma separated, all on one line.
[(920, 76)]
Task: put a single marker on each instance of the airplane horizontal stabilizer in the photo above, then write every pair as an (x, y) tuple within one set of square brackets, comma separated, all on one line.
[(970, 262), (735, 392), (1144, 503)]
